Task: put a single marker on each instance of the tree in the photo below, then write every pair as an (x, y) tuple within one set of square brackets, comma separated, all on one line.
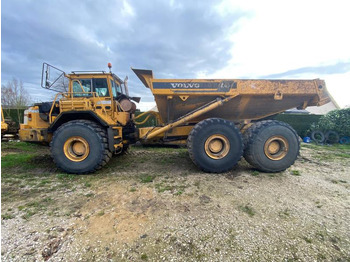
[(14, 96), (337, 120)]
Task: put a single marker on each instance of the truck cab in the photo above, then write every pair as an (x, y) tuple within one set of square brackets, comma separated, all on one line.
[(97, 96)]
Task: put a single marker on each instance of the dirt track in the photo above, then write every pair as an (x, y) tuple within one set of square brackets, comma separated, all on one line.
[(154, 205)]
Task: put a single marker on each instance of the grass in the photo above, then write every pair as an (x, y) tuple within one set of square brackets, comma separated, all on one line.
[(284, 213), (133, 189), (23, 146), (247, 209), (255, 173), (13, 160), (145, 178), (295, 172), (144, 257), (329, 152), (101, 213), (162, 188), (307, 240), (7, 216)]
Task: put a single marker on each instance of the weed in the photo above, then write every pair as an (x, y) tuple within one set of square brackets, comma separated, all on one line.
[(255, 173), (147, 178), (28, 214), (162, 188), (295, 173), (7, 216), (343, 181), (101, 213), (334, 181), (248, 210), (144, 257), (178, 193), (285, 213), (89, 195), (307, 240), (133, 189), (87, 184), (44, 182)]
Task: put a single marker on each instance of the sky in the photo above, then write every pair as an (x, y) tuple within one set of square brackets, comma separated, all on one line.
[(178, 39)]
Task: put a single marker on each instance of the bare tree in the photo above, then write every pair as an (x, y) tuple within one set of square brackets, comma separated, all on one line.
[(14, 96)]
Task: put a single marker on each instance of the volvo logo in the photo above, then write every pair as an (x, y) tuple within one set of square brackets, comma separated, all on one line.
[(185, 85)]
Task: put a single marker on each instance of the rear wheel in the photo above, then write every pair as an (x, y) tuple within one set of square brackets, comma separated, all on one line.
[(271, 146), (215, 145), (80, 147)]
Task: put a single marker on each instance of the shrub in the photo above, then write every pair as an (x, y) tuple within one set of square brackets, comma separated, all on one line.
[(336, 120)]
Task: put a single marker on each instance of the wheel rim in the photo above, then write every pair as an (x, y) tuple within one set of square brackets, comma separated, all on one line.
[(217, 146), (76, 148), (276, 147)]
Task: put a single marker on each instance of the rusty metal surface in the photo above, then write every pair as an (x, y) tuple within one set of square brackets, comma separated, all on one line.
[(255, 99)]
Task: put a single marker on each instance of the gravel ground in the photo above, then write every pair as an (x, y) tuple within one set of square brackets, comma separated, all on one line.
[(154, 205)]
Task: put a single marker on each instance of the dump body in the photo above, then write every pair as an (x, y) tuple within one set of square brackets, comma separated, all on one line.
[(253, 99)]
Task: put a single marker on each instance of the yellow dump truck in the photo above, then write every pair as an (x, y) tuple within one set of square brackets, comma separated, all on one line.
[(220, 120)]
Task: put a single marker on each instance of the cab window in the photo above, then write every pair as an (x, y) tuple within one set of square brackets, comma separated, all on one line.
[(97, 85), (84, 89), (100, 86)]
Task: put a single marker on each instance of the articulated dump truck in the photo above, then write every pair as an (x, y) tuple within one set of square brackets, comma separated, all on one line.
[(220, 120)]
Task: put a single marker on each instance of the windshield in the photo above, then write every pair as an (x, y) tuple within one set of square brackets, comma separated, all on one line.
[(116, 89)]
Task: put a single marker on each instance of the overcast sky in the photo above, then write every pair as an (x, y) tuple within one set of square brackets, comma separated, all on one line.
[(178, 39)]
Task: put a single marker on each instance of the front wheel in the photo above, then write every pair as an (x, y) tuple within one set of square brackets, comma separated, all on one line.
[(80, 146), (271, 146), (215, 145)]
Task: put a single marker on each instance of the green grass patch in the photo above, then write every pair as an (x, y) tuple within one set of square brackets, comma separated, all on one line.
[(284, 213), (146, 178), (15, 160), (295, 172), (7, 216), (255, 173), (162, 188), (247, 209), (23, 146), (307, 240)]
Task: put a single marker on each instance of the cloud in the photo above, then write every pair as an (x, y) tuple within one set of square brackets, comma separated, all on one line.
[(338, 68), (175, 40)]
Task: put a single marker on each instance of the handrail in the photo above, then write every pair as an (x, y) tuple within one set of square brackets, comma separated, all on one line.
[(70, 96)]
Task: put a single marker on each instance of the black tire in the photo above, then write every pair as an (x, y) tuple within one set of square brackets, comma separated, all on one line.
[(222, 132), (318, 136), (332, 137), (271, 135), (94, 139)]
